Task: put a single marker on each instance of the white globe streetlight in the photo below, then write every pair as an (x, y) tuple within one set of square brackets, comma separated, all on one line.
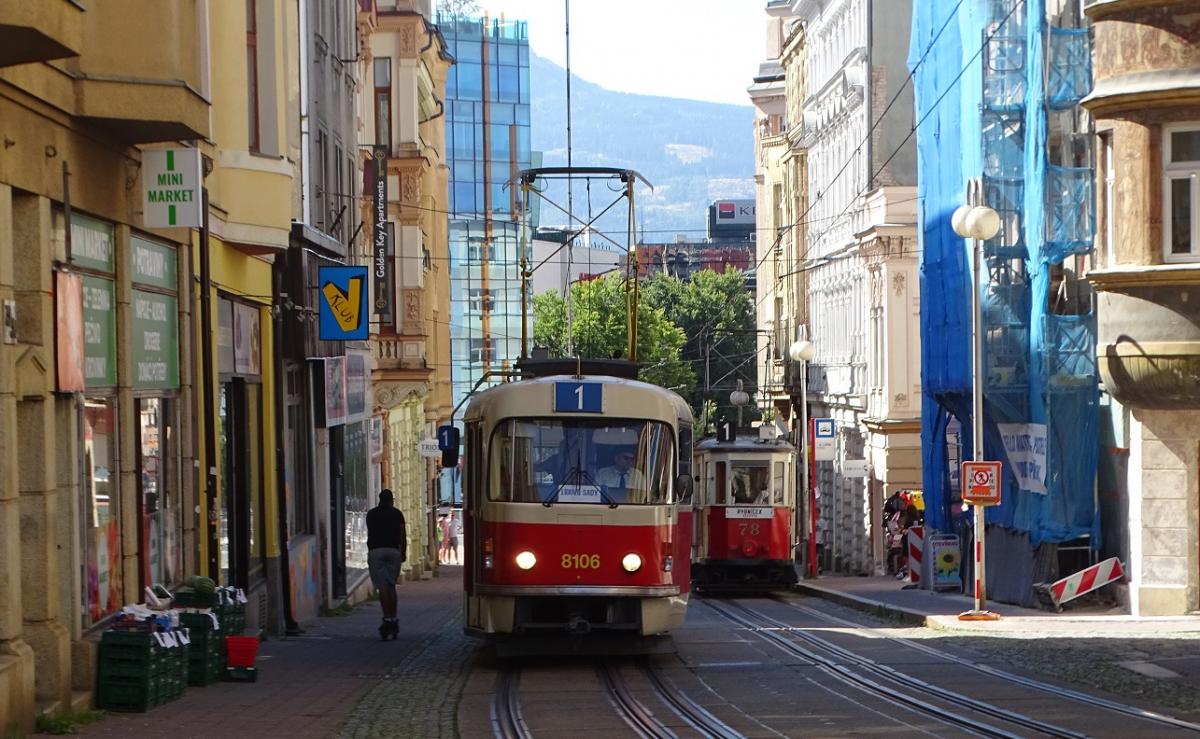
[(978, 223), (803, 352)]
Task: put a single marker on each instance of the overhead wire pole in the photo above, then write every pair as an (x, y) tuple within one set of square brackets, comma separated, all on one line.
[(485, 253), (570, 189), (631, 273)]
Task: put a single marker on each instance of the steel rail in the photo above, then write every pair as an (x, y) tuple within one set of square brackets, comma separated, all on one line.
[(1133, 711), (685, 708), (507, 720), (850, 676), (631, 710)]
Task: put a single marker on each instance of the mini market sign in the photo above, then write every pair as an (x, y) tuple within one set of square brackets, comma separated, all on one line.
[(171, 188)]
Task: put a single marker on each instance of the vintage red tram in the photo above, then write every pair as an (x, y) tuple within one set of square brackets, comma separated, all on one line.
[(745, 515), (577, 507)]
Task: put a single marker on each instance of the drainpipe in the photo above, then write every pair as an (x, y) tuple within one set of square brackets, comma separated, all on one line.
[(305, 172)]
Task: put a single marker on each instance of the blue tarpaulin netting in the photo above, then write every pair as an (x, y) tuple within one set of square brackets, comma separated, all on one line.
[(988, 75)]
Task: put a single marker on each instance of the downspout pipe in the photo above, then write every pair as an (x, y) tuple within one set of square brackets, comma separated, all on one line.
[(305, 135)]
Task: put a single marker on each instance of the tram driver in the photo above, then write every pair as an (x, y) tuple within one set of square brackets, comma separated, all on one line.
[(621, 476)]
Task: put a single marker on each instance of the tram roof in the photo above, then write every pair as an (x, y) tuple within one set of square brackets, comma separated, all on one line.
[(525, 395), (743, 444)]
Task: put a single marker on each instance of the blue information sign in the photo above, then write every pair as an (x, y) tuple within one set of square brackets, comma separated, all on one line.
[(447, 437), (578, 397)]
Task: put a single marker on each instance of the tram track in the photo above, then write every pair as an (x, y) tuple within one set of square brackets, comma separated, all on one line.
[(892, 685), (1027, 682), (507, 719), (635, 713)]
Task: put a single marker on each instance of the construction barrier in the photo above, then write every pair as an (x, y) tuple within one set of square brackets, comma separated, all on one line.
[(916, 553), (1087, 580)]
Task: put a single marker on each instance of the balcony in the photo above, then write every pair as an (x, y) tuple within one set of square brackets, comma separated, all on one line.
[(1148, 342), (39, 31), (144, 88), (399, 356)]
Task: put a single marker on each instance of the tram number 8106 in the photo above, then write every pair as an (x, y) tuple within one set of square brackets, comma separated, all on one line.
[(581, 561)]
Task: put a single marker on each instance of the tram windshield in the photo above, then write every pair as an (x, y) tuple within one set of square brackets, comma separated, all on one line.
[(580, 460), (750, 483)]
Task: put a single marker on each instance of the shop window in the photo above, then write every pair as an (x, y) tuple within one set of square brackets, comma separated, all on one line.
[(159, 491), (101, 512), (296, 471), (1181, 193), (240, 526)]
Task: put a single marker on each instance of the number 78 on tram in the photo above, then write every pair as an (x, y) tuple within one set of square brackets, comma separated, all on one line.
[(577, 508)]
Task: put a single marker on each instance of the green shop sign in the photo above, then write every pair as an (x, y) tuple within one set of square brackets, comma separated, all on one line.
[(155, 341), (91, 243), (153, 263), (99, 332)]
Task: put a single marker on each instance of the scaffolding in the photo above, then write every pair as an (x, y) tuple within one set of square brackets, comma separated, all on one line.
[(1040, 376)]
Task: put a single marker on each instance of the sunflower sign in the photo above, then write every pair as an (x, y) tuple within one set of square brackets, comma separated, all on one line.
[(946, 560)]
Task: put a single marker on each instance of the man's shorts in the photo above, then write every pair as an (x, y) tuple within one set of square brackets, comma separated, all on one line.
[(384, 565), (454, 542)]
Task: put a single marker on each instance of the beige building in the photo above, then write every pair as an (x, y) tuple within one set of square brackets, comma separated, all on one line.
[(96, 440), (1145, 102), (837, 254), (403, 116)]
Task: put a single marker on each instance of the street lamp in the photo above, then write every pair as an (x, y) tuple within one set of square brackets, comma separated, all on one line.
[(803, 352), (739, 398), (977, 223)]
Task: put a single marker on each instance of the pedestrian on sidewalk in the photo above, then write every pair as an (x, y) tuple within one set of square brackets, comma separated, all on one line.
[(456, 531), (444, 538), (387, 540)]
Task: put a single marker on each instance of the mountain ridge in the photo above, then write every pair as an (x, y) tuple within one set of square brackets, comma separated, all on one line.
[(692, 151)]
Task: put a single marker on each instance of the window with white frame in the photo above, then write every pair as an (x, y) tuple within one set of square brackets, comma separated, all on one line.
[(1181, 192)]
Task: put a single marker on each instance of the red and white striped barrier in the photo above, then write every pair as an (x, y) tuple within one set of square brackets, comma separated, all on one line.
[(1085, 581), (916, 551)]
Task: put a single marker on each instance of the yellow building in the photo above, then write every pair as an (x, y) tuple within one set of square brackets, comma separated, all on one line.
[(95, 402), (250, 197), (404, 119)]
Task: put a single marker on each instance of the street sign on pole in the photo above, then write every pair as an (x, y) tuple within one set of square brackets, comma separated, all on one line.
[(981, 483), (447, 437), (824, 432)]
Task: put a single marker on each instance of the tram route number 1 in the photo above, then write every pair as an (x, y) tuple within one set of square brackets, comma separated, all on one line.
[(578, 397)]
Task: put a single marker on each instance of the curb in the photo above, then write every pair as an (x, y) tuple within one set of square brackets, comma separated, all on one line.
[(874, 607)]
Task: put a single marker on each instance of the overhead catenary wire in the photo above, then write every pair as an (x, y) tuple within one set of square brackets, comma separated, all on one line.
[(912, 132)]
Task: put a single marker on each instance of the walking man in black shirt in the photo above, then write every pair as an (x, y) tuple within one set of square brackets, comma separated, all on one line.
[(386, 542)]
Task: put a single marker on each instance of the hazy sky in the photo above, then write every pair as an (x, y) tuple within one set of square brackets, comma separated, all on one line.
[(698, 49)]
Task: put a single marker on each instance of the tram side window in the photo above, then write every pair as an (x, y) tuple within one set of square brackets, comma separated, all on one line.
[(751, 483), (719, 484), (779, 484)]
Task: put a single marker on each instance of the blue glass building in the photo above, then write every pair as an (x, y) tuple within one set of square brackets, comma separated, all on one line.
[(487, 127)]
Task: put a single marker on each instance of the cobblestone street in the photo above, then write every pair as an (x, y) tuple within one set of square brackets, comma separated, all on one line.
[(339, 680)]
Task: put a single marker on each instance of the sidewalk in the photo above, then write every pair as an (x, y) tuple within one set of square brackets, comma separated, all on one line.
[(307, 685), (884, 596)]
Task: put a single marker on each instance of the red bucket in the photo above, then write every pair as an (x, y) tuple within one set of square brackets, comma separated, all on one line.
[(241, 651)]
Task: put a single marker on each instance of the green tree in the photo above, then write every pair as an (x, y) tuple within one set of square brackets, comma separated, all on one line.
[(599, 331), (717, 314)]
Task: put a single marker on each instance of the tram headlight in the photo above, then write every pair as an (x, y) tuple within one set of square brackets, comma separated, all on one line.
[(526, 560), (631, 562)]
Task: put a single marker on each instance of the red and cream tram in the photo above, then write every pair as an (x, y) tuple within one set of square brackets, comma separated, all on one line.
[(577, 506), (745, 515)]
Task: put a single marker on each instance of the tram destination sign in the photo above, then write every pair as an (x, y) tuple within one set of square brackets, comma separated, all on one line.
[(756, 512)]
